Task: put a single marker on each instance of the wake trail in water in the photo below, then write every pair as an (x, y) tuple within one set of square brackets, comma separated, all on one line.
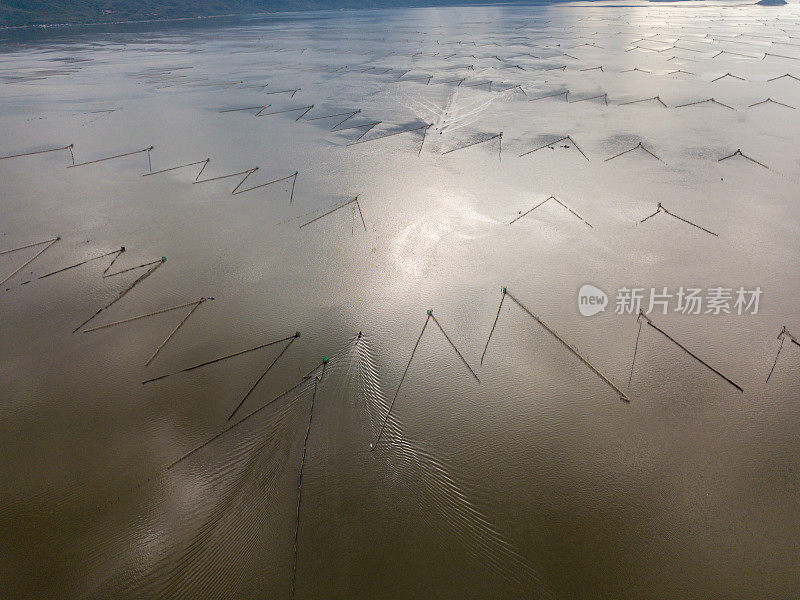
[(449, 495), (243, 484)]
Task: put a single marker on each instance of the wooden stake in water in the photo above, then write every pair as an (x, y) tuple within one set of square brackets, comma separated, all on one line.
[(728, 75), (250, 391), (518, 217), (603, 96), (496, 136), (300, 476), (220, 359), (34, 152), (709, 100), (638, 146), (246, 174), (458, 82), (293, 177), (643, 316), (635, 350), (782, 76), (739, 153), (174, 331), (258, 108), (99, 160), (150, 314), (661, 209), (124, 292), (550, 145), (422, 143), (333, 210), (192, 164), (623, 396), (366, 126), (656, 98), (233, 426), (447, 337), (782, 336), (360, 141), (116, 253), (113, 260), (147, 264), (26, 246), (348, 114), (48, 243), (288, 110), (565, 93), (346, 118), (430, 317), (291, 91), (771, 101)]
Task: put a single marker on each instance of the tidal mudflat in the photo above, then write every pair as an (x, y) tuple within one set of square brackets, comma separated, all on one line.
[(220, 243)]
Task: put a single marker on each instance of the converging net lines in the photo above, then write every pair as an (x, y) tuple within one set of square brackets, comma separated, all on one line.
[(623, 396), (642, 317), (782, 336), (430, 317)]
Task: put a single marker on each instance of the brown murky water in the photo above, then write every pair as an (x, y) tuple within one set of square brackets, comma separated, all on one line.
[(533, 481)]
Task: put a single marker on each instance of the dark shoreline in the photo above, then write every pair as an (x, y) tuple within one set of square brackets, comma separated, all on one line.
[(253, 12)]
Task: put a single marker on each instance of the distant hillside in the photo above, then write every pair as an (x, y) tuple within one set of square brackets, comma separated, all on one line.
[(39, 12)]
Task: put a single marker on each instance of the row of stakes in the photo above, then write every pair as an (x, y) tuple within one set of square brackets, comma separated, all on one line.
[(286, 342), (318, 372), (368, 126), (145, 270), (460, 81), (558, 142), (371, 124), (202, 163), (498, 136), (504, 63), (642, 319)]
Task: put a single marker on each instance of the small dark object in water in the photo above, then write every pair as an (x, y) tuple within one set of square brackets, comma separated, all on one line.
[(553, 143)]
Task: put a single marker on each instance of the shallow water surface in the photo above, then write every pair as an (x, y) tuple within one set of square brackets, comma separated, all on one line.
[(529, 479)]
